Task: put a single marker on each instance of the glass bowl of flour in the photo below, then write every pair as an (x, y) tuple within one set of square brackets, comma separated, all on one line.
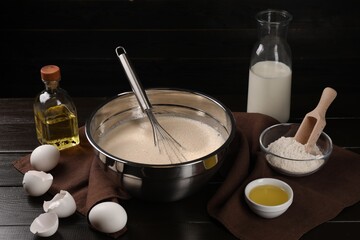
[(289, 157)]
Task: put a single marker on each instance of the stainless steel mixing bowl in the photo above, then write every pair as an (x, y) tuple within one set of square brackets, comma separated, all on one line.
[(169, 182)]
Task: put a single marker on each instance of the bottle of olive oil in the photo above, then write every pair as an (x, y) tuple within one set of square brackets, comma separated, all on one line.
[(55, 113)]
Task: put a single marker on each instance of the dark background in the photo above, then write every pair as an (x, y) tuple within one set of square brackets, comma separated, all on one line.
[(202, 45), (195, 44)]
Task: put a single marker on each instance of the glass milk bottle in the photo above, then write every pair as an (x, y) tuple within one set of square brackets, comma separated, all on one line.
[(55, 113), (269, 90)]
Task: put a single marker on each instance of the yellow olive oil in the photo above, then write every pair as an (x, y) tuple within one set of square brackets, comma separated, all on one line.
[(268, 195), (58, 127), (55, 113)]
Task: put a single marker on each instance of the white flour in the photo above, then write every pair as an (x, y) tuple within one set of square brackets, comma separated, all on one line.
[(288, 147)]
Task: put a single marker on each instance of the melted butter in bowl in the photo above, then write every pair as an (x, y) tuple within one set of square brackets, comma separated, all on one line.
[(268, 197)]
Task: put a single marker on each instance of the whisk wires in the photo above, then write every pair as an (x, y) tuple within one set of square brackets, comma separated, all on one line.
[(165, 142)]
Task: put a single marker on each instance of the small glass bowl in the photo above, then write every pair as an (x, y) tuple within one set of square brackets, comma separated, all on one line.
[(291, 166)]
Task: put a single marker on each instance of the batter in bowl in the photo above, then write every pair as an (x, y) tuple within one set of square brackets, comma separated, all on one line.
[(133, 140)]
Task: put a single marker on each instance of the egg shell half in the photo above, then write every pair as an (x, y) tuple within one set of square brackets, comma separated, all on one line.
[(44, 157), (45, 225), (108, 217), (63, 204), (36, 183)]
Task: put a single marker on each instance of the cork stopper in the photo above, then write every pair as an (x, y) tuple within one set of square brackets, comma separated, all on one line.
[(50, 73)]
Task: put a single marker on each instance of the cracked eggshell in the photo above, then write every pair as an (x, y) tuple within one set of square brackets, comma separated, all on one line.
[(108, 217), (44, 157), (63, 204), (36, 183), (45, 225)]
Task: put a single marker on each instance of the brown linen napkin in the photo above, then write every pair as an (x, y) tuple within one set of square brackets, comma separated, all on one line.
[(317, 198), (80, 175)]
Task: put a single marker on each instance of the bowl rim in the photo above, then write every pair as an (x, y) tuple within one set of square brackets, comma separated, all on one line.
[(269, 181), (322, 156), (227, 142)]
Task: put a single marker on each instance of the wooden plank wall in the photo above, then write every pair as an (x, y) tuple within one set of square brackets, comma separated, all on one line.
[(202, 45)]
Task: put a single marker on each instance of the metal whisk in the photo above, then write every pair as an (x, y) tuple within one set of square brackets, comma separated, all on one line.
[(162, 139)]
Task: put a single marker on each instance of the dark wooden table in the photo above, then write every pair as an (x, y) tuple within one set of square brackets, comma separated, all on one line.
[(185, 219)]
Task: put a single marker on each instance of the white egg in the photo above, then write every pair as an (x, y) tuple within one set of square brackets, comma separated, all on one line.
[(36, 183), (63, 204), (45, 157), (45, 225), (108, 217)]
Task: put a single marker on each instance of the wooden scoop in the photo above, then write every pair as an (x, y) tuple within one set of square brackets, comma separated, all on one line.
[(314, 122)]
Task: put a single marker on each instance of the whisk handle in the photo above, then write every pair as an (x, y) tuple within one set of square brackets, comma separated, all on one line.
[(136, 86)]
